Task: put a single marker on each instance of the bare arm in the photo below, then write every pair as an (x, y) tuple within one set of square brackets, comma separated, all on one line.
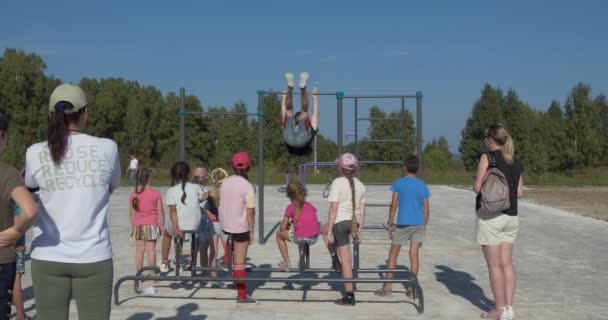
[(392, 211), (427, 212), (132, 214), (520, 187), (251, 223), (314, 121), (482, 168), (204, 196), (29, 213), (331, 219), (284, 224), (173, 215), (361, 220), (161, 214), (283, 107)]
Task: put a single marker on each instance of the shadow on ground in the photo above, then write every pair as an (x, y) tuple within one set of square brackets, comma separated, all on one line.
[(462, 284)]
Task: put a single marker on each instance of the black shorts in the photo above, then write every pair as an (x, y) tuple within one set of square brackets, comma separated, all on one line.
[(239, 237), (341, 231), (7, 280)]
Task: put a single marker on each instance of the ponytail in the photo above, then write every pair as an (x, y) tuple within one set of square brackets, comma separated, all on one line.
[(143, 176), (508, 150), (180, 172), (297, 192), (349, 174), (58, 131)]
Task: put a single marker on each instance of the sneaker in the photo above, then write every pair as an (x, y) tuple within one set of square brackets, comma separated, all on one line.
[(303, 79), (346, 301), (286, 266), (246, 300), (494, 314), (384, 293), (221, 265), (508, 313), (164, 267), (335, 264), (289, 77), (150, 290)]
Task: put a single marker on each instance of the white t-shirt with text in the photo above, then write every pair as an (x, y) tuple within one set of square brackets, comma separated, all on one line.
[(74, 196)]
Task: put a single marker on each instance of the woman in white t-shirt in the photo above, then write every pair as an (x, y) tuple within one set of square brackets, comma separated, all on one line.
[(347, 201), (71, 249), (183, 199)]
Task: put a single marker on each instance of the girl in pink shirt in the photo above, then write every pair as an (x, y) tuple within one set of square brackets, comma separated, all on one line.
[(147, 218), (303, 217)]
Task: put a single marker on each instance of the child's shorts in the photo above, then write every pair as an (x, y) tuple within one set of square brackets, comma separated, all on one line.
[(309, 241), (218, 231), (20, 260), (406, 233), (146, 232), (205, 231)]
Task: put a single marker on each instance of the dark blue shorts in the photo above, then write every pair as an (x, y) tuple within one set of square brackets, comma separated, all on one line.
[(7, 280)]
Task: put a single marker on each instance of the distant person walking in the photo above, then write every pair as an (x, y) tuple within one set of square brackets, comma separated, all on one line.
[(71, 248), (496, 232), (12, 191), (132, 170)]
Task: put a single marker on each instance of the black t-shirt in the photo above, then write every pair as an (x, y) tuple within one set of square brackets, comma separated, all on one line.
[(512, 172)]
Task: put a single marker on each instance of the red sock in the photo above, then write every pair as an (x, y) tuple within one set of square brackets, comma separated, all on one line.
[(239, 272), (226, 255)]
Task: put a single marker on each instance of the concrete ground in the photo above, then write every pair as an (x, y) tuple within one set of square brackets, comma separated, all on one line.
[(561, 260)]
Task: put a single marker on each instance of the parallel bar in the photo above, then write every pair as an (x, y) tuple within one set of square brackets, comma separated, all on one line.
[(261, 168), (380, 96), (308, 270), (380, 140), (380, 119), (403, 132), (297, 93), (419, 131), (340, 130), (376, 204), (357, 132), (379, 183), (379, 161), (182, 124), (202, 113)]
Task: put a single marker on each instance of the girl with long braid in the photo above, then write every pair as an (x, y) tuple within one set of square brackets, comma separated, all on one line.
[(147, 218), (303, 217), (346, 218), (183, 199)]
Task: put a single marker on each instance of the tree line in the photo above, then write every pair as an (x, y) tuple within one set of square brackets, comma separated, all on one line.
[(145, 123), (565, 138)]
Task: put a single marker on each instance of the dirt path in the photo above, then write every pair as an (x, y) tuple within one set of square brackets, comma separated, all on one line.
[(587, 201)]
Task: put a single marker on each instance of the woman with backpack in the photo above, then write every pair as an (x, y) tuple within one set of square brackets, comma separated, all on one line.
[(496, 231)]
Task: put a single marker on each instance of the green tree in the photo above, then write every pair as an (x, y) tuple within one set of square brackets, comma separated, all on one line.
[(584, 146)]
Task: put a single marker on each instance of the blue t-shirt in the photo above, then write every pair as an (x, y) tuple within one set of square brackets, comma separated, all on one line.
[(412, 192)]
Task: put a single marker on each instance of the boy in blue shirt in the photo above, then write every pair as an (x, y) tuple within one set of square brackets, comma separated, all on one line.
[(411, 195)]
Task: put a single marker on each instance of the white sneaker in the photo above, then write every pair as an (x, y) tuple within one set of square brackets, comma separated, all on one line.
[(164, 267), (508, 313), (150, 290), (290, 79), (303, 78)]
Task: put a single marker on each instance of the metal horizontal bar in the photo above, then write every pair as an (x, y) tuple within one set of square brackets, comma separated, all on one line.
[(409, 96), (254, 279), (376, 205), (308, 270), (380, 119), (221, 113), (379, 183), (297, 93), (380, 161), (380, 140)]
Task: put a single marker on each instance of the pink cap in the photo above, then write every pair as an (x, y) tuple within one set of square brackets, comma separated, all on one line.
[(347, 161), (240, 160)]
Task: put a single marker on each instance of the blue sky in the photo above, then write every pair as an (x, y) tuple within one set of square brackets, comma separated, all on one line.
[(223, 51)]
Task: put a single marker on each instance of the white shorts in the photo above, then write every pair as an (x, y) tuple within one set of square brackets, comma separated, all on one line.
[(497, 229)]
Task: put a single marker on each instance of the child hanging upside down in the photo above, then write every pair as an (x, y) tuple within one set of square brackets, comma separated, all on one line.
[(298, 129)]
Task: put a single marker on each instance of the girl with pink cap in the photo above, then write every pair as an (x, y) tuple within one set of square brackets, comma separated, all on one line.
[(346, 218)]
